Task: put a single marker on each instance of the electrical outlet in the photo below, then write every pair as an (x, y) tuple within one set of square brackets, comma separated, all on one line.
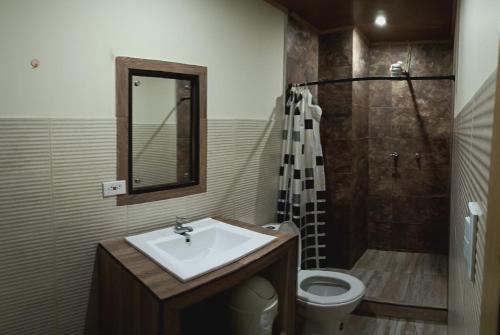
[(112, 188)]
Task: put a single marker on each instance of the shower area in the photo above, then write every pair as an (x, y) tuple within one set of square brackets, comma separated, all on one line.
[(386, 148)]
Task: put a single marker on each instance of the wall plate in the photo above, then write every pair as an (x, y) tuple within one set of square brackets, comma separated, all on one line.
[(470, 237), (113, 188)]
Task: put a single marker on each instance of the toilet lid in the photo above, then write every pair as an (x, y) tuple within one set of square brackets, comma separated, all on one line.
[(354, 288)]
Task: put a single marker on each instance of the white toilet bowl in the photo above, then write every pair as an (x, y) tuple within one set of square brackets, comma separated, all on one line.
[(324, 298)]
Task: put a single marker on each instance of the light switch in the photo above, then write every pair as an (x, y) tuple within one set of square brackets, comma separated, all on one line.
[(112, 188)]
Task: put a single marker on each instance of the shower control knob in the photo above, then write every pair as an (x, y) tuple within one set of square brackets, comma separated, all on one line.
[(395, 155)]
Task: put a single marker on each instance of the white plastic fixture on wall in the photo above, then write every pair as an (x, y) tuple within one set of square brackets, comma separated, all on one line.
[(112, 188), (470, 232)]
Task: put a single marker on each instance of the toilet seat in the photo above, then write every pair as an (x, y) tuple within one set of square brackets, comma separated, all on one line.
[(353, 286)]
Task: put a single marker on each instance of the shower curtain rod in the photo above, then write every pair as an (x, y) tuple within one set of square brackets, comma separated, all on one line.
[(346, 80)]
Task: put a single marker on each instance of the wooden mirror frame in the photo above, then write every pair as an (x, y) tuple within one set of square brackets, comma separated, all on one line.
[(124, 65)]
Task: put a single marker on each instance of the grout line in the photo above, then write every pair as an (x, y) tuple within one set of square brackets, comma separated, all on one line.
[(54, 228)]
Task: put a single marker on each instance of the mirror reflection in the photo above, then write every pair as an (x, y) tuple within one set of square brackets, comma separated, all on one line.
[(161, 126)]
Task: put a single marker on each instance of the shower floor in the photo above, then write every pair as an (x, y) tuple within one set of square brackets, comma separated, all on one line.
[(404, 278)]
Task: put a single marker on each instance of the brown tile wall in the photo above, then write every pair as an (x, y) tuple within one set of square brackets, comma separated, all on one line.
[(360, 107), (409, 201), (371, 202), (183, 90), (301, 54), (344, 135)]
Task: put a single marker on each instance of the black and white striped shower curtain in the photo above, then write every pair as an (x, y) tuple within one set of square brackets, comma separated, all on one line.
[(302, 176)]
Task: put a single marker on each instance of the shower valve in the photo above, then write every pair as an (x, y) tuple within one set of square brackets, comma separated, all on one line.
[(395, 155)]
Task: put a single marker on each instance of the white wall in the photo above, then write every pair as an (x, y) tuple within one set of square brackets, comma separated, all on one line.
[(57, 164), (476, 57), (477, 53), (241, 43)]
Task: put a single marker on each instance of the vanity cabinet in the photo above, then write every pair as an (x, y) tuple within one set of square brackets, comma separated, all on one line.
[(136, 296)]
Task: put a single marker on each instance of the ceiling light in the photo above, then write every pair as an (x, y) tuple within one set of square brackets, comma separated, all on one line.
[(380, 20)]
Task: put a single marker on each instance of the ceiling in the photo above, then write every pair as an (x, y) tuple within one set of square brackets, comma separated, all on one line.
[(406, 19)]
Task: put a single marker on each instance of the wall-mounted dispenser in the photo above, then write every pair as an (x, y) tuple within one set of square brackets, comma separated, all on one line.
[(470, 236), (396, 69)]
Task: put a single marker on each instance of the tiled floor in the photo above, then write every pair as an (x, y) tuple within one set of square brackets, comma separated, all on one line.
[(404, 278), (362, 325)]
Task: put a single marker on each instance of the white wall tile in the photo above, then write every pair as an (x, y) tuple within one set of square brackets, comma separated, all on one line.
[(470, 181), (53, 213), (26, 229)]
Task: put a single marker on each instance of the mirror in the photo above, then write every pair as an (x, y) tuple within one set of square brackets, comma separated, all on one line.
[(163, 151), (162, 105)]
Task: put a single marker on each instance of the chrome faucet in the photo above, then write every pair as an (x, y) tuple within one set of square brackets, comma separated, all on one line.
[(179, 228), (395, 155)]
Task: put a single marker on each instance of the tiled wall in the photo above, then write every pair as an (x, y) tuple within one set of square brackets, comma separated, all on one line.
[(154, 148), (183, 94), (344, 132), (360, 162), (335, 61), (362, 123), (301, 54), (472, 135), (409, 202), (53, 213)]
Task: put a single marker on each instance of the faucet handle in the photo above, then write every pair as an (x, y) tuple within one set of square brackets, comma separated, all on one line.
[(179, 220)]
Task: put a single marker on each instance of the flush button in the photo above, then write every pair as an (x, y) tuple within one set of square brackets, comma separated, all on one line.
[(470, 234)]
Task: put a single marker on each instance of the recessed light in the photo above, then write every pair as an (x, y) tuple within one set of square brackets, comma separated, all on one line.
[(380, 20)]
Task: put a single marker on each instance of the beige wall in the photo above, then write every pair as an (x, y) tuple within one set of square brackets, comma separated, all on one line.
[(52, 213), (154, 158), (476, 56), (154, 101), (58, 135), (470, 180), (477, 29), (154, 131), (241, 43)]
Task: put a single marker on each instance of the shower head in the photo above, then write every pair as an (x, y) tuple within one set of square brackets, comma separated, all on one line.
[(397, 69)]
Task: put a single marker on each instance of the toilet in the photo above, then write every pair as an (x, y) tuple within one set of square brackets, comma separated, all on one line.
[(324, 298)]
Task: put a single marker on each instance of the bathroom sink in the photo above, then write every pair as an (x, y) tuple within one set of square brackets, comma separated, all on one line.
[(211, 245)]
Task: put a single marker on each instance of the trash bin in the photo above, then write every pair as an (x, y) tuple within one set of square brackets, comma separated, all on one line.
[(253, 306)]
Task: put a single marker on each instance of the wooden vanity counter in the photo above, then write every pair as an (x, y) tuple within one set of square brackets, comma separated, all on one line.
[(136, 296)]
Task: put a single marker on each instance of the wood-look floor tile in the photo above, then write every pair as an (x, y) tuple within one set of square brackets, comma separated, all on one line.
[(419, 328), (398, 262), (365, 260), (377, 284), (362, 325), (414, 291), (374, 260), (432, 264), (433, 291), (406, 278)]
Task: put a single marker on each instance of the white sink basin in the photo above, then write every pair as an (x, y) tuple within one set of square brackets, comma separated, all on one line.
[(212, 245)]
